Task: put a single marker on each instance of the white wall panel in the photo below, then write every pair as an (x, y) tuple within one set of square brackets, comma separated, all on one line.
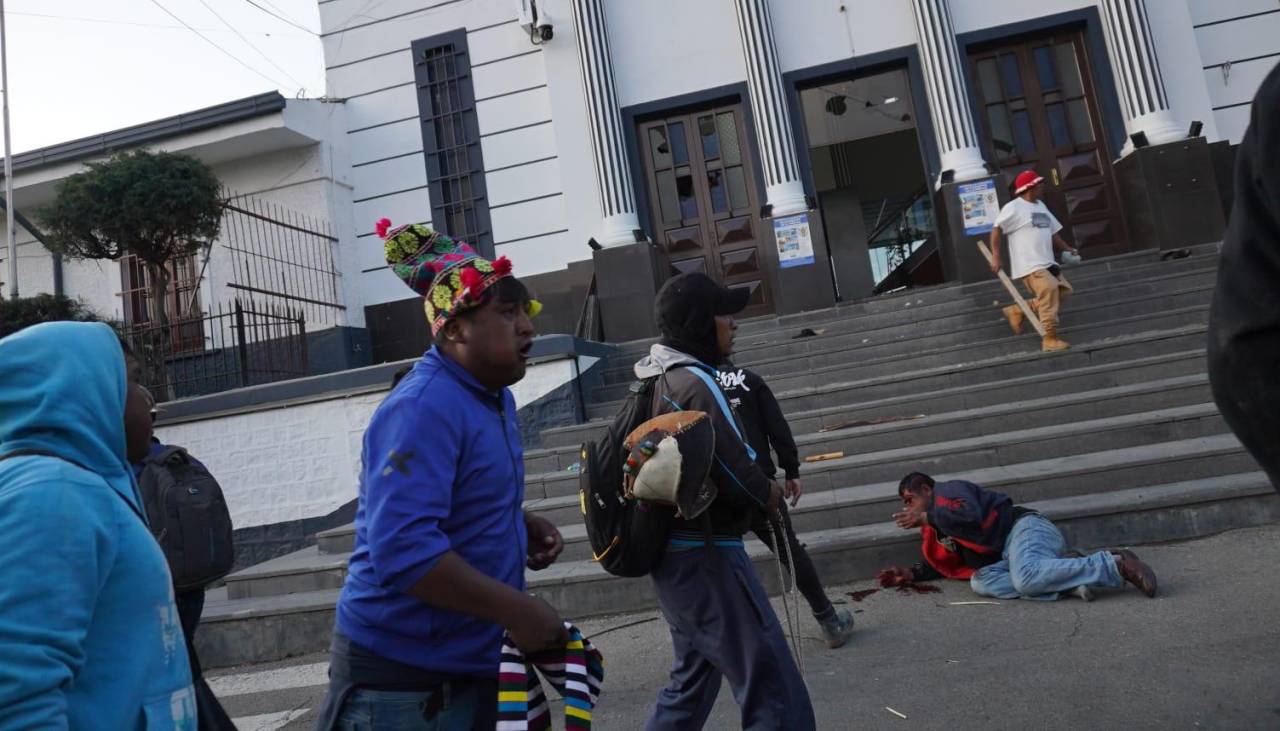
[(389, 176), (519, 146), (386, 141), (1212, 11), (662, 48), (382, 285), (385, 106), (1233, 122), (544, 253), (1239, 40), (528, 219), (516, 110), (501, 41), (1240, 84), (411, 206), (514, 74), (375, 73), (524, 182), (816, 32), (405, 21)]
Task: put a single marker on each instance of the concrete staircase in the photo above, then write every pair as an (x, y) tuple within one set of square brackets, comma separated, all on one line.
[(1117, 439)]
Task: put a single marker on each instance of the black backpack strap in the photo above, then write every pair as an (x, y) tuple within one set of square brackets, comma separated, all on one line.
[(167, 454)]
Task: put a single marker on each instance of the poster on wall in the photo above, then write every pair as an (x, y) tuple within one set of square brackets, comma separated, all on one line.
[(980, 205), (795, 244)]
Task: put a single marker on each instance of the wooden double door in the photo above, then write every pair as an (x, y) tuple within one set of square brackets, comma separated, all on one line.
[(703, 199), (1038, 110)]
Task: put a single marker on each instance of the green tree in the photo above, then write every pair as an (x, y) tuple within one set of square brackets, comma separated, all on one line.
[(24, 312), (158, 206)]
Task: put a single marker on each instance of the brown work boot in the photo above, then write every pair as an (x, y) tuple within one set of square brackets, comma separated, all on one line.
[(1013, 314), (1136, 572), (1051, 342)]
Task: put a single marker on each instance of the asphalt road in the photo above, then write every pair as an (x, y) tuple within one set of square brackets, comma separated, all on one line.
[(1203, 655)]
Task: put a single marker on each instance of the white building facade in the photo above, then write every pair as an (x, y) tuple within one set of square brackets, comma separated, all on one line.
[(693, 131), (697, 126)]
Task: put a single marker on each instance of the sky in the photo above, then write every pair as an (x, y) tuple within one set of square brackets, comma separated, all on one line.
[(99, 65)]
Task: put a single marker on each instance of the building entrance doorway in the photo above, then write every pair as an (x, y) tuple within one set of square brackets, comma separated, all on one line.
[(703, 200), (871, 183)]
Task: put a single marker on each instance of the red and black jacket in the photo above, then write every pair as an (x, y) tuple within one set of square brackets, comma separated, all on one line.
[(966, 530)]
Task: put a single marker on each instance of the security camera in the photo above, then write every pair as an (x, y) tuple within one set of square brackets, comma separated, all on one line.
[(542, 26)]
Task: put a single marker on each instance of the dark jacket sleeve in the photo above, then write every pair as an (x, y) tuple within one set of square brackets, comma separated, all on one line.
[(968, 513), (737, 477), (776, 427)]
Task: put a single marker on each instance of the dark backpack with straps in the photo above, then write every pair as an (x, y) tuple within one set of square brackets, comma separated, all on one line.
[(628, 538), (189, 518)]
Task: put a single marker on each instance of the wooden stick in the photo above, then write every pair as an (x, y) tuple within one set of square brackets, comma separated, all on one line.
[(1008, 285), (824, 457)]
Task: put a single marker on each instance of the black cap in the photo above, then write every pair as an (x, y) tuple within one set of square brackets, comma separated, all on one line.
[(696, 290), (686, 308)]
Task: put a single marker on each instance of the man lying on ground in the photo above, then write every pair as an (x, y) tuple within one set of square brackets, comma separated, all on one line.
[(1006, 551)]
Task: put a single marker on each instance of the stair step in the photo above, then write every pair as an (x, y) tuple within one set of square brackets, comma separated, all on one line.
[(993, 341), (1182, 391), (1167, 443), (275, 627), (918, 330), (1095, 274), (929, 431), (812, 408), (1207, 452)]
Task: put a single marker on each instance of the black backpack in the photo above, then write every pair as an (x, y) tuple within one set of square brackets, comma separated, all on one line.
[(627, 538), (189, 518)]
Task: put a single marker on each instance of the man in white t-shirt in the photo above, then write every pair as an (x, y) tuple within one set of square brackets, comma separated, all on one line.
[(1033, 235)]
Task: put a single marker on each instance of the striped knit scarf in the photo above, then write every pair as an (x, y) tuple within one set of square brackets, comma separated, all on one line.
[(576, 671)]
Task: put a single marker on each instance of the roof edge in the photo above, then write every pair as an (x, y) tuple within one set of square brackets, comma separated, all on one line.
[(137, 135)]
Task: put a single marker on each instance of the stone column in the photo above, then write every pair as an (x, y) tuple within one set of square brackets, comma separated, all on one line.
[(783, 190), (1137, 69), (947, 91), (613, 177)]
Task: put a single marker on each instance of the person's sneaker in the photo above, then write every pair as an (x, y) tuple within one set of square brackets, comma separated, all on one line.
[(1134, 571), (1083, 593), (837, 629)]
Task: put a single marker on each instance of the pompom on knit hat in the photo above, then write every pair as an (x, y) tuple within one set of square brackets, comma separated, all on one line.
[(449, 275)]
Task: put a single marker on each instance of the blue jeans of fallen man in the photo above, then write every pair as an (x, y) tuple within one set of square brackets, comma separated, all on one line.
[(722, 626), (1033, 566)]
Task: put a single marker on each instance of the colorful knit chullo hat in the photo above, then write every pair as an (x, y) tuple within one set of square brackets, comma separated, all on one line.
[(451, 277)]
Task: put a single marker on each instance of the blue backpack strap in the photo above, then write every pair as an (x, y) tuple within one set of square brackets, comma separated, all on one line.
[(724, 406)]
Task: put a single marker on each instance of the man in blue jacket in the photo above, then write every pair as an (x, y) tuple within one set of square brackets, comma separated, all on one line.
[(1006, 551), (442, 541), (89, 634)]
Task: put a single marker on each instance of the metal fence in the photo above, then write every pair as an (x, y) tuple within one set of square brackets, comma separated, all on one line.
[(243, 343), (281, 257)]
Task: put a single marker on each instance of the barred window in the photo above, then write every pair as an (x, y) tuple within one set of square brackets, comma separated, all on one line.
[(451, 139), (181, 303)]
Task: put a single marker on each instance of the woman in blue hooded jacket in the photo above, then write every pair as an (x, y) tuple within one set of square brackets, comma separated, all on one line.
[(89, 635)]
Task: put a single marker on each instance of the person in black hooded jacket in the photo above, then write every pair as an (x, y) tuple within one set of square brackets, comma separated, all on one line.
[(1244, 322), (722, 625)]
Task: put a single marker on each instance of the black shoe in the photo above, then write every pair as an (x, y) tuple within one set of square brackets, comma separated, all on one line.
[(1136, 572)]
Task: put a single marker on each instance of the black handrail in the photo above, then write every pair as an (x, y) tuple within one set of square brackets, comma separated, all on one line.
[(897, 214)]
